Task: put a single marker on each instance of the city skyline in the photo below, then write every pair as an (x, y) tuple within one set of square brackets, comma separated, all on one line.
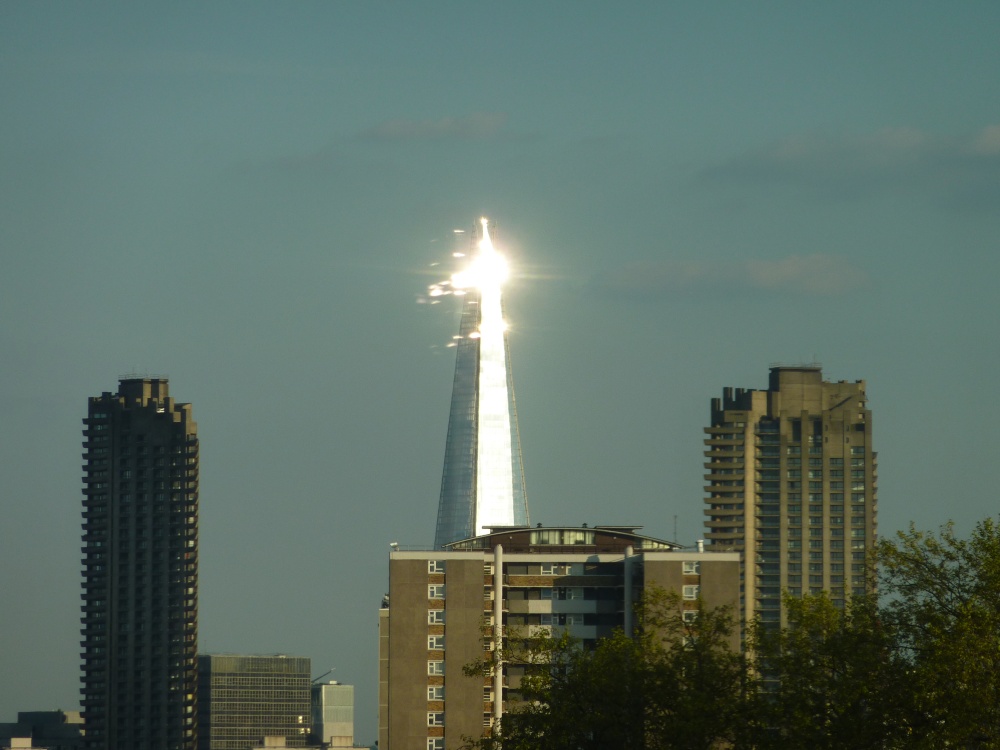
[(250, 199)]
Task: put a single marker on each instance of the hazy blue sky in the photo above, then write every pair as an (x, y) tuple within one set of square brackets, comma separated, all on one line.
[(248, 198)]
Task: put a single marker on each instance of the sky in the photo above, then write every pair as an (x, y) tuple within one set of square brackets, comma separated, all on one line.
[(252, 198)]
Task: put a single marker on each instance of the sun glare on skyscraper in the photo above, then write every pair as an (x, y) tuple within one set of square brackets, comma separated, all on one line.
[(482, 484)]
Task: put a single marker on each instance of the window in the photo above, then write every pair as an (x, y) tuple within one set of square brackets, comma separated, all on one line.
[(857, 450), (435, 566), (559, 536), (435, 617), (553, 569), (691, 567), (435, 718), (435, 591), (435, 667), (690, 615), (435, 643), (435, 743), (435, 692), (691, 592)]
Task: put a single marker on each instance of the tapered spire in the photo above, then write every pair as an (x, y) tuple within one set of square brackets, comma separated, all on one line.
[(483, 482)]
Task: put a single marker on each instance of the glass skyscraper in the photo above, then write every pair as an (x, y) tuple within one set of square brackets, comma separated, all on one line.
[(482, 484)]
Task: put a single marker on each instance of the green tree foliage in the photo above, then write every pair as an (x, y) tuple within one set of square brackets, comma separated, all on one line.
[(942, 598), (696, 676), (916, 668), (676, 684), (833, 678)]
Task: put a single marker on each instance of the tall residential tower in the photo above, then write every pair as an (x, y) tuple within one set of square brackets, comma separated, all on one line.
[(483, 483), (792, 483), (140, 570)]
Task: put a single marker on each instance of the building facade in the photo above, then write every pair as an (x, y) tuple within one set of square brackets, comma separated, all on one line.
[(244, 699), (333, 715), (140, 570), (792, 485), (482, 483), (447, 608)]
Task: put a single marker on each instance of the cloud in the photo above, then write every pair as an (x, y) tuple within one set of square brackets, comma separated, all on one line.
[(816, 274), (477, 126), (959, 171)]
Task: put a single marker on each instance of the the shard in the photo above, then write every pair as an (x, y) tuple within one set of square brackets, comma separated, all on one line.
[(483, 482)]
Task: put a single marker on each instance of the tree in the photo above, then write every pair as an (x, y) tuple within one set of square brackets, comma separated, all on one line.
[(834, 676), (943, 598), (676, 684), (697, 684)]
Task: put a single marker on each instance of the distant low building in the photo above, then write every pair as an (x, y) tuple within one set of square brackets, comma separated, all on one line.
[(243, 700), (333, 715), (52, 730)]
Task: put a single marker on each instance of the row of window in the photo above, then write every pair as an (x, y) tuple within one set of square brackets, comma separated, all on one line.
[(770, 460), (437, 566)]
